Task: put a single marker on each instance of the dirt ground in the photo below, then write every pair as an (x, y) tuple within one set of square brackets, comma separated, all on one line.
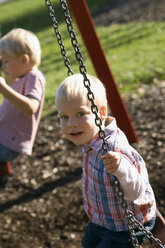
[(41, 205)]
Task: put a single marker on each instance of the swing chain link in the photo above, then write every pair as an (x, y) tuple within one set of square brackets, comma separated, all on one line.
[(58, 35), (148, 234), (129, 216), (74, 41), (127, 213)]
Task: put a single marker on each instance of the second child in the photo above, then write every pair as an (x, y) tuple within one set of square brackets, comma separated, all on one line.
[(23, 90)]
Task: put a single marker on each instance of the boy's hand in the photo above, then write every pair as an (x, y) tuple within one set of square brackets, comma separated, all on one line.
[(111, 161)]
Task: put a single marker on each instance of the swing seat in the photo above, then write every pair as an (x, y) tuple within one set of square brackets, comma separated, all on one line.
[(159, 228), (5, 169)]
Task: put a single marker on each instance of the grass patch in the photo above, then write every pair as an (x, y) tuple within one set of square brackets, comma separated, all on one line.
[(135, 53)]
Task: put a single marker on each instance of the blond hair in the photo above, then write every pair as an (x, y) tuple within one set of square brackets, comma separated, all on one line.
[(20, 41), (73, 86)]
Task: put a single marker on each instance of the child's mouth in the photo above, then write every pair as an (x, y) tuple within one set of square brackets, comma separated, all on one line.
[(76, 134)]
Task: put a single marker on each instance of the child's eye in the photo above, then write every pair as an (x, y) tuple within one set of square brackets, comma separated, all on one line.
[(79, 114), (63, 117)]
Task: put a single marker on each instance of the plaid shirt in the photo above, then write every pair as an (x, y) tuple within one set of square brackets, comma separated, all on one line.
[(100, 200)]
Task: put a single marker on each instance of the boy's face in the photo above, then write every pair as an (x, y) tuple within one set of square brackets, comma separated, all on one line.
[(77, 121), (12, 66)]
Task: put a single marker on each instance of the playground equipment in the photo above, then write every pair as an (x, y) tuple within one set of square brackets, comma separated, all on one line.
[(75, 5)]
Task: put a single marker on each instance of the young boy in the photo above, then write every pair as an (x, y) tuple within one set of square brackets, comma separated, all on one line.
[(107, 227), (23, 94)]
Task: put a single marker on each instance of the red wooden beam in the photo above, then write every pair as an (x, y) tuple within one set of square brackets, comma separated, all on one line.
[(85, 23)]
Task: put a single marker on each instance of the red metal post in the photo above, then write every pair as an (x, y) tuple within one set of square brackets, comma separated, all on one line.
[(84, 21)]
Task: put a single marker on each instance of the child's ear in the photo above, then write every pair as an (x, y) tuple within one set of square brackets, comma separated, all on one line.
[(26, 58), (103, 112)]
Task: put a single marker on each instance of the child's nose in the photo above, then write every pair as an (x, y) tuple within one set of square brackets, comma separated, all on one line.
[(72, 122)]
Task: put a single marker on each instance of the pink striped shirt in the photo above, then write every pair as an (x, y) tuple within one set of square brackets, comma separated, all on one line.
[(100, 200)]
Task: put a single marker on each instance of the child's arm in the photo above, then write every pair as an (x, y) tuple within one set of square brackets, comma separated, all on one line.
[(26, 105), (130, 180)]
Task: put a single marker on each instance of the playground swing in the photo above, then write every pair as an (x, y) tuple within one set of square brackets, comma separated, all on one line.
[(129, 216)]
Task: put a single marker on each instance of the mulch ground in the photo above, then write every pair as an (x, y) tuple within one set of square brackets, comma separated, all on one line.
[(41, 205)]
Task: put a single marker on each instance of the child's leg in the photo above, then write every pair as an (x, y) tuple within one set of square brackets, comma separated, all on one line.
[(5, 169), (122, 239), (100, 237), (112, 239), (90, 239), (7, 154)]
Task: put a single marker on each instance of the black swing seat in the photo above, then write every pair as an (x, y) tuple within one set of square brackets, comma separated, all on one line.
[(5, 169), (159, 229)]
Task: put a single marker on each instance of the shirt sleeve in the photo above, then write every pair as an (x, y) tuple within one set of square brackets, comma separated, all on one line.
[(34, 87), (132, 183), (131, 173)]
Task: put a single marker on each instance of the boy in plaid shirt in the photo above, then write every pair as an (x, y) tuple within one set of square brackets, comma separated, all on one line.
[(107, 227)]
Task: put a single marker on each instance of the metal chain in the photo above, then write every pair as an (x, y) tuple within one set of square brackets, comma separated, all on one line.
[(129, 216), (148, 234), (58, 35)]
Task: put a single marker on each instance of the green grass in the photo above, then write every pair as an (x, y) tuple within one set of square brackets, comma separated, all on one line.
[(134, 51), (97, 4)]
